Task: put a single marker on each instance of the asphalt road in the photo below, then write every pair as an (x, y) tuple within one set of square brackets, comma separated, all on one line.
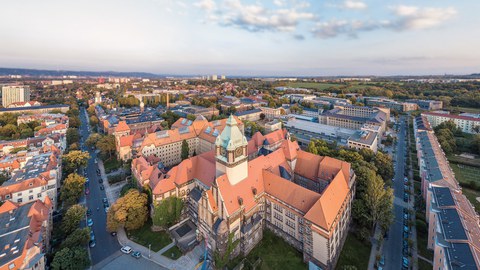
[(392, 248), (106, 244)]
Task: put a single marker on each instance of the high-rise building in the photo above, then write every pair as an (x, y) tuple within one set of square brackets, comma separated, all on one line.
[(15, 93)]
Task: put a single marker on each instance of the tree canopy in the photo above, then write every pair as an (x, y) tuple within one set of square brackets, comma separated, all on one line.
[(129, 211), (71, 259), (73, 216), (74, 160), (185, 150), (167, 212), (72, 188)]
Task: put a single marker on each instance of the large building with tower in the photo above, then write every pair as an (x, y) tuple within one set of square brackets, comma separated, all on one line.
[(242, 187)]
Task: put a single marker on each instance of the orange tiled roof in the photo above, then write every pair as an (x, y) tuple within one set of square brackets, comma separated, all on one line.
[(122, 126), (126, 140)]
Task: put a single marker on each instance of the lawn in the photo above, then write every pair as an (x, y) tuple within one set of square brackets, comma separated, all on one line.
[(465, 174), (472, 197), (275, 253), (313, 85), (144, 236), (111, 164), (464, 109), (354, 253), (173, 253)]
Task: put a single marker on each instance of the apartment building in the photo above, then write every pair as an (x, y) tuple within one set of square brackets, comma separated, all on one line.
[(453, 223), (267, 182), (391, 104), (273, 113), (467, 124), (37, 109), (22, 104), (355, 117), (249, 115), (15, 93), (39, 178), (428, 105), (25, 234)]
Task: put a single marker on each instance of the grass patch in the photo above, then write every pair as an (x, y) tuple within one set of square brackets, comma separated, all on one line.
[(111, 164), (465, 174), (423, 265), (464, 109), (275, 253), (144, 236), (173, 253), (472, 197), (354, 253)]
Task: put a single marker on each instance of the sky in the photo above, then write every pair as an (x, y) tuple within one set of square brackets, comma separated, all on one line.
[(243, 37)]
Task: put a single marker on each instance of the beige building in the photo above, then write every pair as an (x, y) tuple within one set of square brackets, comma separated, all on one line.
[(241, 188), (273, 113), (15, 93)]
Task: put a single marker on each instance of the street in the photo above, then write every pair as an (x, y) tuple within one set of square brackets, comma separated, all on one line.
[(106, 244), (392, 247)]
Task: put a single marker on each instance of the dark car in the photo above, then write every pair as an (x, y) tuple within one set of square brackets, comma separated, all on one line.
[(100, 180), (136, 254), (92, 243), (102, 187), (113, 233), (105, 205), (92, 236), (104, 200), (405, 197), (405, 235), (405, 263), (89, 212)]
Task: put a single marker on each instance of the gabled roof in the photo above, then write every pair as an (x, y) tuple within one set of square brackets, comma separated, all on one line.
[(122, 127)]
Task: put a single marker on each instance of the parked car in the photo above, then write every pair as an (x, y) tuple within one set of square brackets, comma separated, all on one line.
[(100, 180), (405, 197), (89, 222), (102, 187), (405, 228), (405, 263), (113, 233), (92, 236), (405, 235), (106, 209), (89, 212), (87, 191), (92, 243), (126, 249), (405, 179), (382, 261), (96, 161), (104, 200), (136, 254)]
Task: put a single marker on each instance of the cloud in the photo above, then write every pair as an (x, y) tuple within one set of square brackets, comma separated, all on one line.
[(352, 4), (404, 18), (335, 28), (256, 17), (411, 17), (299, 37), (279, 3), (208, 5)]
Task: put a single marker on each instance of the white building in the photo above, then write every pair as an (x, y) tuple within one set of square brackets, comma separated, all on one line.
[(15, 93), (467, 124)]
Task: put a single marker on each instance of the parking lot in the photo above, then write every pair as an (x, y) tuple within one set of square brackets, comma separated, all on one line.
[(125, 261)]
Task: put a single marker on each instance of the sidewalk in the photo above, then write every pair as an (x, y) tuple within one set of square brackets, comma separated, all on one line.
[(186, 262), (375, 248)]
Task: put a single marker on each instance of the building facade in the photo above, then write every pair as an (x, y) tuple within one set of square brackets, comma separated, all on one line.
[(15, 93), (467, 124), (266, 183)]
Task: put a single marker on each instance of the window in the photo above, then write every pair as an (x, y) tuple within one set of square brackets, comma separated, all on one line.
[(20, 200), (30, 197), (39, 195)]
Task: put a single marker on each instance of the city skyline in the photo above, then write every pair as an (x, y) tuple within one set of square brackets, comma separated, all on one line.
[(248, 38)]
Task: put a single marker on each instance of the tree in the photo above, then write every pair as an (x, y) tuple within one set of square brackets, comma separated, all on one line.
[(379, 203), (185, 150), (71, 259), (78, 238), (191, 117), (312, 148), (107, 146), (72, 135), (167, 212), (93, 120), (129, 211), (74, 159), (73, 216), (72, 188), (384, 166), (93, 139), (262, 116)]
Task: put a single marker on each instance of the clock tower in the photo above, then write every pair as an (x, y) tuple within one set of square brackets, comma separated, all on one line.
[(231, 152)]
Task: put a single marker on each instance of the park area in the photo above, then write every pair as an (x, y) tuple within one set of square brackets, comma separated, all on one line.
[(355, 253)]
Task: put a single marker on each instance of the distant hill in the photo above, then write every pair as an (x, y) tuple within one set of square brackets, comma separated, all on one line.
[(60, 73)]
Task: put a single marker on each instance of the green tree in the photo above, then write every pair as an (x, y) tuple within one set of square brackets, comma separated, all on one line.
[(93, 139), (78, 238), (185, 150), (72, 188), (379, 203), (93, 120), (107, 146), (74, 159), (167, 212), (73, 216), (191, 117), (72, 135), (71, 259), (129, 211), (384, 166), (311, 148)]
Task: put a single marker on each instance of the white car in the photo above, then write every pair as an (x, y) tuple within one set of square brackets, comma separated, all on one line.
[(126, 249)]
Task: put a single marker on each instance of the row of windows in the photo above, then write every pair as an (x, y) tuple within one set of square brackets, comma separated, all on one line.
[(278, 216)]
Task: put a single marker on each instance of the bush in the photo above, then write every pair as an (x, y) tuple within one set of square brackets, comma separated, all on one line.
[(112, 179)]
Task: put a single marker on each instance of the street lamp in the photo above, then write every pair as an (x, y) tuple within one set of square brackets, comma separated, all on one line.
[(149, 246)]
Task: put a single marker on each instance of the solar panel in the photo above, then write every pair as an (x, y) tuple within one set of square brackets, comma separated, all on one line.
[(183, 130), (189, 122), (215, 133), (184, 121), (208, 130)]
